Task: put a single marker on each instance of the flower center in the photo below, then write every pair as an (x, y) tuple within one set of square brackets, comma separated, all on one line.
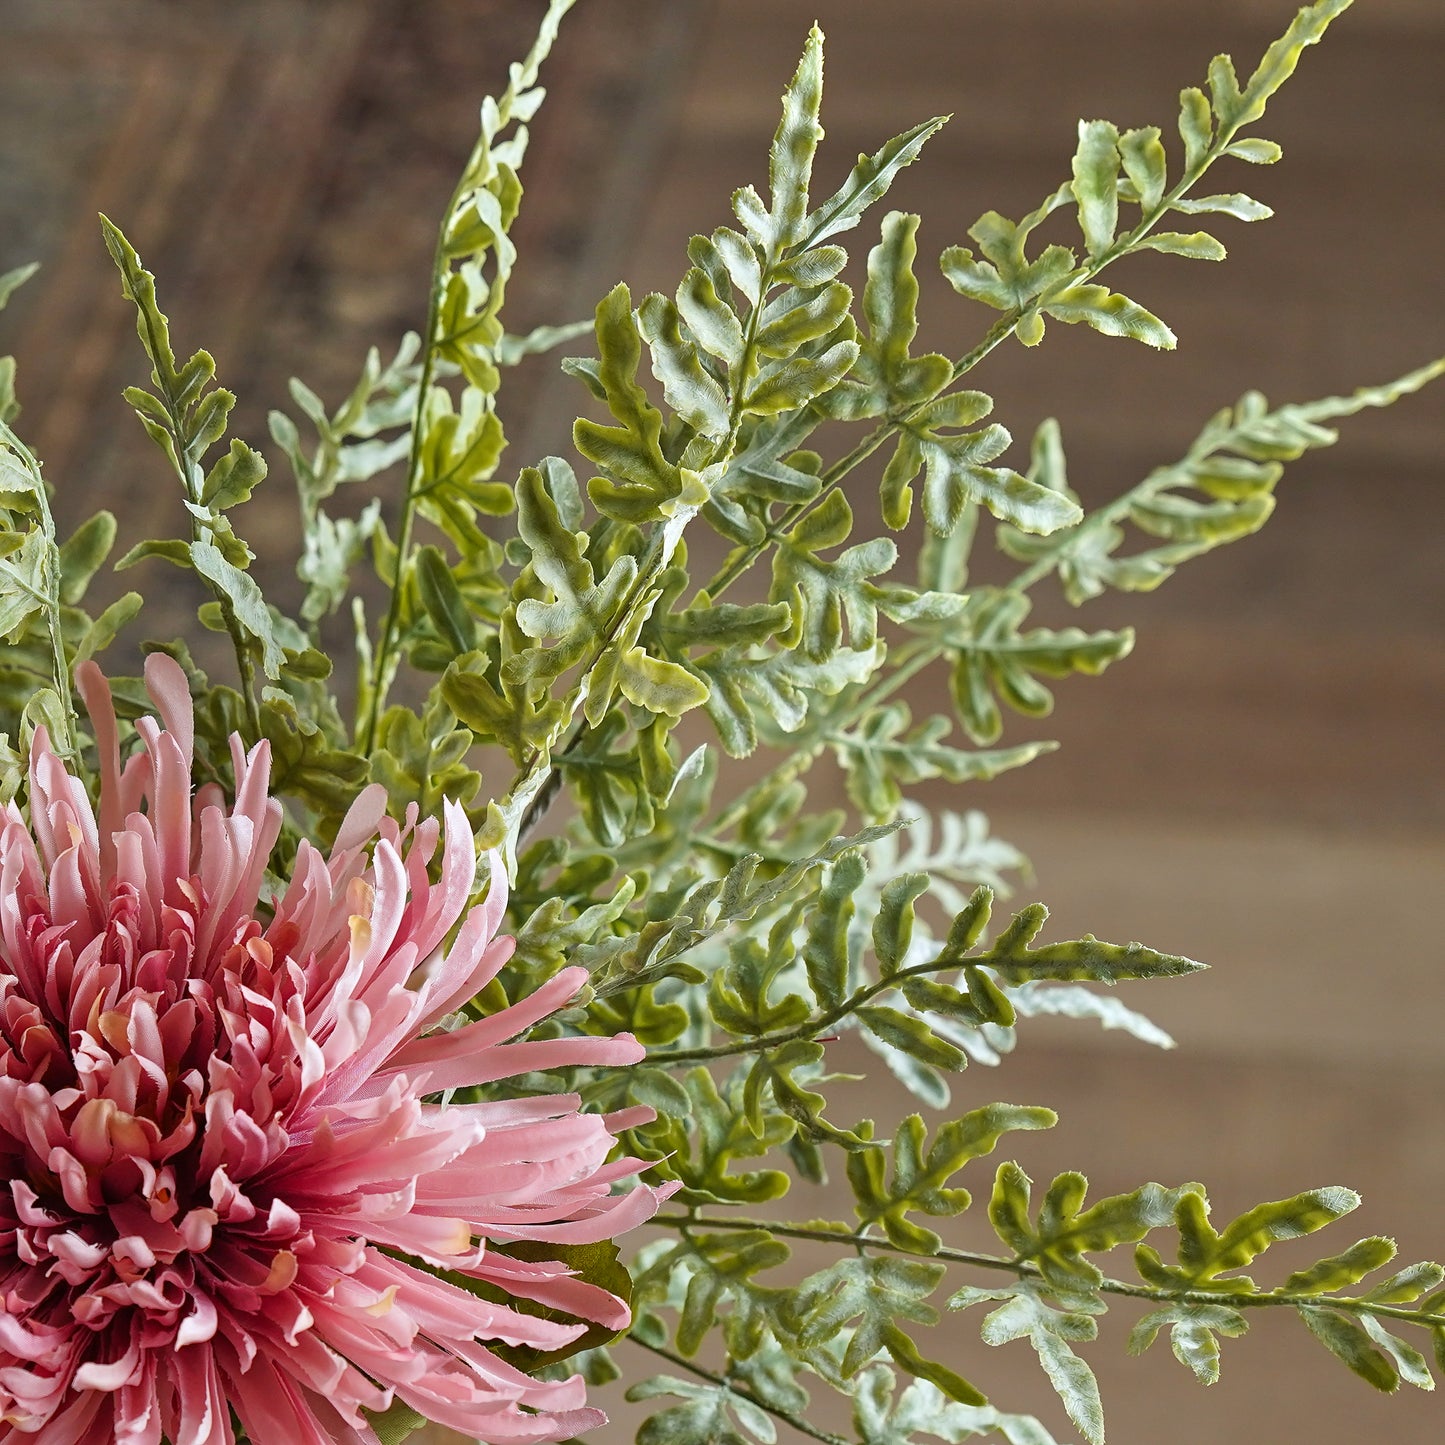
[(134, 1105)]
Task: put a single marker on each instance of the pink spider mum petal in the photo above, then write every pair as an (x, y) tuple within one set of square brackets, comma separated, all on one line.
[(226, 1186)]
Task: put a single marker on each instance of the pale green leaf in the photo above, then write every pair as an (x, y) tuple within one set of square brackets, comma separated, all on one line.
[(1096, 175), (868, 181), (245, 600), (1142, 153), (691, 392), (1108, 312), (1241, 207), (10, 281), (1198, 246), (1350, 1344), (790, 161)]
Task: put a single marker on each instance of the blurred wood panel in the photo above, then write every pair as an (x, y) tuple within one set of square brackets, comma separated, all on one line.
[(1259, 785), (253, 89)]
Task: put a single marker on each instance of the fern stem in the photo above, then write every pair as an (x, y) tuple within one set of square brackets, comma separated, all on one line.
[(1025, 1270), (998, 333), (383, 667), (797, 1422), (187, 466), (537, 782), (819, 1023), (1210, 442), (383, 658)]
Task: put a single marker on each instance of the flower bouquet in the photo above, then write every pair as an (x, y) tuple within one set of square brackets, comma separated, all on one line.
[(357, 1007)]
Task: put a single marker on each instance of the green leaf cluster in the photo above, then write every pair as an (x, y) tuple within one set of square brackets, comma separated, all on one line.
[(9, 281)]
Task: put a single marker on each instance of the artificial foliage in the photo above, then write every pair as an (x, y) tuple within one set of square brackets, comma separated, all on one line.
[(540, 641)]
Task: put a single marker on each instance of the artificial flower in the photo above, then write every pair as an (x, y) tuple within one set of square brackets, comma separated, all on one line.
[(230, 1184)]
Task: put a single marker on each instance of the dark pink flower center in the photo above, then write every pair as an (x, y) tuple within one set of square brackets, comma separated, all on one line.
[(139, 1110)]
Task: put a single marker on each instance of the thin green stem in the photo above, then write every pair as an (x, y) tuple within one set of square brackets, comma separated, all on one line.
[(999, 332), (59, 662), (797, 1422), (744, 557), (538, 782), (188, 467), (383, 664), (910, 659), (383, 658), (819, 1023), (1024, 1269)]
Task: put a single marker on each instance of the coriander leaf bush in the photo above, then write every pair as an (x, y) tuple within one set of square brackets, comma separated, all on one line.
[(543, 636)]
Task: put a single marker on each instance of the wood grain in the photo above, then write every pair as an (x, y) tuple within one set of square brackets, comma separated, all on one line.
[(1258, 785)]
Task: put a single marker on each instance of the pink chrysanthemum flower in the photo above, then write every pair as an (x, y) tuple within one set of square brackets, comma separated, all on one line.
[(223, 1177)]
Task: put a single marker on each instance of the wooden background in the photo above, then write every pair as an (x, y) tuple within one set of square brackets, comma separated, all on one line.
[(1258, 785)]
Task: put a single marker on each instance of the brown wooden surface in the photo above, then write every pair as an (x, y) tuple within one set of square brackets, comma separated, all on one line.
[(1259, 785)]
